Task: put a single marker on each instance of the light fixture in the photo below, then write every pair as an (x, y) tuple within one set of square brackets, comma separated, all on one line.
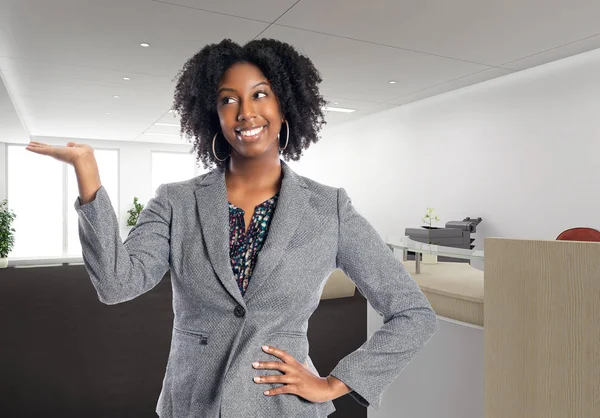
[(126, 78), (336, 103), (171, 111), (116, 97), (393, 81), (338, 109), (107, 113), (165, 124), (145, 45)]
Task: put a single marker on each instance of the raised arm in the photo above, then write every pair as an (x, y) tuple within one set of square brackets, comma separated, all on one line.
[(121, 271)]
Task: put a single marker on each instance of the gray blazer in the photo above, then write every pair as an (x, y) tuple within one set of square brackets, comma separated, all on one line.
[(217, 332)]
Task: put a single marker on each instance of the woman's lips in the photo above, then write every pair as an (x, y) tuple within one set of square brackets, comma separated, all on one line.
[(256, 134)]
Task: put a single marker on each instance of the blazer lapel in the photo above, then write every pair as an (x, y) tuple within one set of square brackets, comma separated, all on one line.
[(213, 210)]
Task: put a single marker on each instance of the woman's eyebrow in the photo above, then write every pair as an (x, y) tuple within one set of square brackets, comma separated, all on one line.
[(233, 90)]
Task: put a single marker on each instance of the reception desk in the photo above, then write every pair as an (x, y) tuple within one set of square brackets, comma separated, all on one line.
[(455, 290), (542, 329), (446, 378)]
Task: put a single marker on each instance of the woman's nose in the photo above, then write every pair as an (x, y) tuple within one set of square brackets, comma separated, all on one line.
[(246, 110)]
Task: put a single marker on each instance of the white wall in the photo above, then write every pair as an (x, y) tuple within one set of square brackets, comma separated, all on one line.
[(520, 151)]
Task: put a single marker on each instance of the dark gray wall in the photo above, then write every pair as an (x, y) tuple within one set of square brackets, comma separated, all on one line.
[(64, 353)]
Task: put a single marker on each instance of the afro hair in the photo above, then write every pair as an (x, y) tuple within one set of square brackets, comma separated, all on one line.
[(293, 78)]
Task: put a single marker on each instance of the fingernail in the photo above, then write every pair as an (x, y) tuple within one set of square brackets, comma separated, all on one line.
[(257, 379), (255, 364), (265, 347), (266, 392)]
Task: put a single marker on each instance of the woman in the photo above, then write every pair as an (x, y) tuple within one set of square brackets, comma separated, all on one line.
[(280, 234)]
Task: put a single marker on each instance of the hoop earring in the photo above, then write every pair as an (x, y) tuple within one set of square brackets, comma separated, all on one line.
[(213, 148), (287, 125)]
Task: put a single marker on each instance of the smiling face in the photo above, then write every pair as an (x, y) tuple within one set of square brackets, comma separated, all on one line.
[(249, 112)]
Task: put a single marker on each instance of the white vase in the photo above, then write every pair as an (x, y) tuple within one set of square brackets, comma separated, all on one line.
[(3, 262), (429, 258)]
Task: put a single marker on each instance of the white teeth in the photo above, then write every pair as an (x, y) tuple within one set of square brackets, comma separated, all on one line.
[(251, 132)]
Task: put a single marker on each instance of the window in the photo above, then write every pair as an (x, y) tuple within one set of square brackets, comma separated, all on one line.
[(42, 191), (35, 193)]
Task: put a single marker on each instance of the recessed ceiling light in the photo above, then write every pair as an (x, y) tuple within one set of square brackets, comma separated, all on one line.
[(126, 78), (393, 82), (116, 97), (145, 45), (338, 109), (336, 103), (165, 124), (171, 111), (107, 113)]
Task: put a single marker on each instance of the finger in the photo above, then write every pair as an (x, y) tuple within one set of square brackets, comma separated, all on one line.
[(39, 148), (283, 355), (282, 378), (279, 390), (33, 147), (274, 365)]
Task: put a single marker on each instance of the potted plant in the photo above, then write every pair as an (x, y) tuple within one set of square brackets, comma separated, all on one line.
[(7, 238), (430, 217), (134, 212)]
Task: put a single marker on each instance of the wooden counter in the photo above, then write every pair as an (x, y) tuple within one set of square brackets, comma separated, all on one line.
[(455, 290), (542, 333)]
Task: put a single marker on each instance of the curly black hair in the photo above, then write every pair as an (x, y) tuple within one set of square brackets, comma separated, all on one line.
[(293, 78)]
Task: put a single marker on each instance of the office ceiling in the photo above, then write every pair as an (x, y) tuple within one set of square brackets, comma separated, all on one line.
[(63, 61)]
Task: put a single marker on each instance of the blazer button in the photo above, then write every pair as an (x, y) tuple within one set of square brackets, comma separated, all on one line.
[(239, 311)]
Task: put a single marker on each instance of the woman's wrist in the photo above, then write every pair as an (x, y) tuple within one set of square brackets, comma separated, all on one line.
[(337, 388)]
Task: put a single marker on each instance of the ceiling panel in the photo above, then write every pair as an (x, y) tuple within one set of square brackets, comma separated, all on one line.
[(362, 71), (456, 84), (107, 34), (262, 10), (85, 91), (44, 69), (555, 54), (487, 32), (63, 60), (52, 103)]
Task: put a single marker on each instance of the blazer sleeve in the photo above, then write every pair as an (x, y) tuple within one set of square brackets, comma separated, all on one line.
[(409, 320), (122, 270)]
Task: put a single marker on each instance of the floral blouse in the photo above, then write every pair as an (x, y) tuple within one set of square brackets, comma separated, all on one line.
[(244, 245)]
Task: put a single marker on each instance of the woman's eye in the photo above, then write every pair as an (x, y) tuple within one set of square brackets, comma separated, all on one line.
[(261, 92), (226, 100)]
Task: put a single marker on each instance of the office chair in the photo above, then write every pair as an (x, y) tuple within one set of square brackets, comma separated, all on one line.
[(580, 234)]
